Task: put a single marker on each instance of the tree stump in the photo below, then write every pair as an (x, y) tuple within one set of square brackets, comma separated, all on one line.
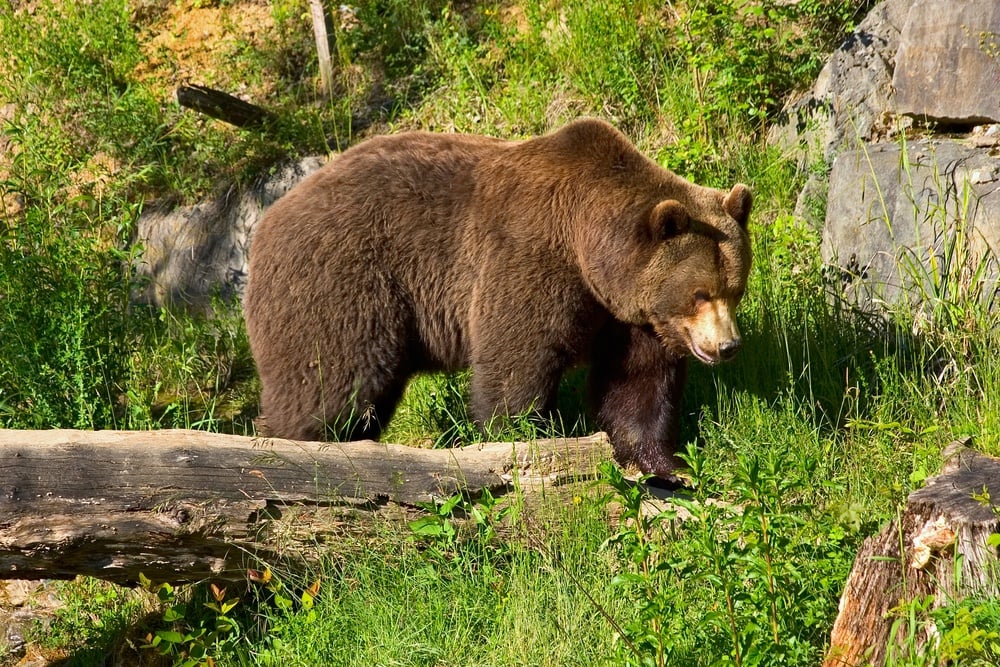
[(184, 506), (937, 547)]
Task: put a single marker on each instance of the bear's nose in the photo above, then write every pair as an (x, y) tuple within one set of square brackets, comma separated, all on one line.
[(729, 349)]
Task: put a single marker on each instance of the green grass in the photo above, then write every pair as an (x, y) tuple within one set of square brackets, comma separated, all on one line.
[(820, 428), (466, 606)]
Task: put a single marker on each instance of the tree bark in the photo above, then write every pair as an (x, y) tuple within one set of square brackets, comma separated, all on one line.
[(188, 505), (937, 547)]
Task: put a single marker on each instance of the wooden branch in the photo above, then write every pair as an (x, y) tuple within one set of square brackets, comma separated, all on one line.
[(322, 45), (188, 505), (221, 106), (943, 530)]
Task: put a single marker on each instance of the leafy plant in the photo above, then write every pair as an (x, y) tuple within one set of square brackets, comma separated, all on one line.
[(927, 634), (95, 615), (745, 56), (441, 529), (741, 555), (193, 637)]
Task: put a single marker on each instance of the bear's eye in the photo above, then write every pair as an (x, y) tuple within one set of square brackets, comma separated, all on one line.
[(701, 296)]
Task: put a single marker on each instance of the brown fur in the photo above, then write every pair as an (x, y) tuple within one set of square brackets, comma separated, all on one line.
[(422, 251)]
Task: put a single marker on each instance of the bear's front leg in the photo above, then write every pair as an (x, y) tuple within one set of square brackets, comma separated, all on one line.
[(637, 388), (523, 336)]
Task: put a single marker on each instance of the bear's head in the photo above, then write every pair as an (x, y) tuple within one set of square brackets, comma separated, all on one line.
[(697, 275), (679, 266)]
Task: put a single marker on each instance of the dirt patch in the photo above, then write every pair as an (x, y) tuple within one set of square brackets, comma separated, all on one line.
[(11, 203), (186, 42)]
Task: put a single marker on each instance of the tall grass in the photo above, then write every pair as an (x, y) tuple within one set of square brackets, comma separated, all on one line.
[(799, 448)]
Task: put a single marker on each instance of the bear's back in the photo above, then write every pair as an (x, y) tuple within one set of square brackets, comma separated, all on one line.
[(384, 226)]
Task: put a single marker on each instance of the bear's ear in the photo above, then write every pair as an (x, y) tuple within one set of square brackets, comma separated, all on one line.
[(668, 218), (737, 204)]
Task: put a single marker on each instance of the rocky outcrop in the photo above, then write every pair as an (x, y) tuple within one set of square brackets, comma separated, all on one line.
[(948, 63), (911, 215), (852, 99), (921, 224), (194, 254)]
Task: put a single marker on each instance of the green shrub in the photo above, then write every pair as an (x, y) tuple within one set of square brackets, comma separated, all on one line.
[(64, 314), (750, 576), (745, 57)]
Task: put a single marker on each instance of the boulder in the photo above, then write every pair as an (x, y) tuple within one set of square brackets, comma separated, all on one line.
[(948, 63), (191, 255), (852, 99), (913, 226), (914, 223)]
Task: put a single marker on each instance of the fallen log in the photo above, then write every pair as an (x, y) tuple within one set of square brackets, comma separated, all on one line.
[(222, 106), (937, 547), (184, 506)]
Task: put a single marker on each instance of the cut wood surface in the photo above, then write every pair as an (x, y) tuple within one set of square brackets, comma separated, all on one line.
[(184, 505), (942, 531)]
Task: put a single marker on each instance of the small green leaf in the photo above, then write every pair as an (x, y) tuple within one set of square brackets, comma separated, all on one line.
[(623, 578), (448, 506), (165, 593), (427, 525), (170, 636), (174, 614)]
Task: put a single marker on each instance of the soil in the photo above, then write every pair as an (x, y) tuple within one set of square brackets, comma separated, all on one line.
[(192, 42)]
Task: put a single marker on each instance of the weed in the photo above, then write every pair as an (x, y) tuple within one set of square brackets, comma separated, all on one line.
[(94, 618), (741, 555), (441, 528), (192, 639), (927, 633), (65, 319), (200, 625), (745, 57)]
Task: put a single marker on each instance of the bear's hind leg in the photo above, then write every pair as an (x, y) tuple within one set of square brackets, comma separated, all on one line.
[(327, 397), (281, 412), (367, 414)]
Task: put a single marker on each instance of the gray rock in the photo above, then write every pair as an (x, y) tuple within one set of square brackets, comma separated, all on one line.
[(26, 607), (920, 227), (948, 63), (193, 254), (852, 99)]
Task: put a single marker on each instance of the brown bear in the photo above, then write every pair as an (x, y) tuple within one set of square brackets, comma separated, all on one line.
[(421, 251)]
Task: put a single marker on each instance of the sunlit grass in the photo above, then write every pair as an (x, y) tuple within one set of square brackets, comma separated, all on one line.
[(856, 410)]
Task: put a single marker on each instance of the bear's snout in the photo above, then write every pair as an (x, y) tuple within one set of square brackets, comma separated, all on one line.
[(729, 348), (712, 334)]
